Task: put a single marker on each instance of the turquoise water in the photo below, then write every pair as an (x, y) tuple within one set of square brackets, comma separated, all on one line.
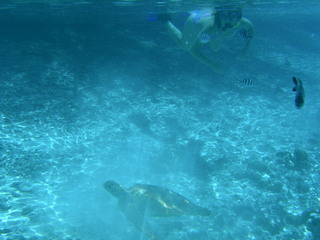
[(92, 91)]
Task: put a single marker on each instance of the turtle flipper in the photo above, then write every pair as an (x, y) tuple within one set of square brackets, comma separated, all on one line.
[(203, 211), (145, 229), (148, 232)]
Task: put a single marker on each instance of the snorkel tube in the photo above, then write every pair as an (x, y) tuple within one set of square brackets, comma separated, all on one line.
[(227, 17)]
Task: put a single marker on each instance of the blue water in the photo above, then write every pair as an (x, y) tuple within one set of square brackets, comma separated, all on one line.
[(91, 91)]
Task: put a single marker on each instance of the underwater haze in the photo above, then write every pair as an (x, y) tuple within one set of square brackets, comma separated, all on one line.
[(94, 91)]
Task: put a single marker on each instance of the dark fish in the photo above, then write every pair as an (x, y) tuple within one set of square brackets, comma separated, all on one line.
[(246, 81), (300, 95)]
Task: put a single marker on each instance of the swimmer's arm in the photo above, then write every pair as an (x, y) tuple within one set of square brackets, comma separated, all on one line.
[(246, 32), (196, 53)]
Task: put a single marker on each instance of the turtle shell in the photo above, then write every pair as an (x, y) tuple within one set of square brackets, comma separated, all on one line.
[(157, 201)]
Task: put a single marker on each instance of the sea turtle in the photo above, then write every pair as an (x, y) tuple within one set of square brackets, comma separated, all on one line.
[(142, 200)]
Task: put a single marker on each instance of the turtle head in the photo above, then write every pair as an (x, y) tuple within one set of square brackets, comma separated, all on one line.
[(115, 189)]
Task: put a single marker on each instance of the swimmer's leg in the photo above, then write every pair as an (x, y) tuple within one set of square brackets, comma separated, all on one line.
[(217, 67), (188, 37), (175, 33)]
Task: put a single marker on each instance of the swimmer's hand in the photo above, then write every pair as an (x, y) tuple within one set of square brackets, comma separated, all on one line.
[(241, 55)]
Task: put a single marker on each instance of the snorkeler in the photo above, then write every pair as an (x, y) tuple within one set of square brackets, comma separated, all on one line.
[(211, 29)]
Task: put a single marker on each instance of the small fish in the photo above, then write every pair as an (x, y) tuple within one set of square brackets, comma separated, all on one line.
[(246, 81), (300, 95)]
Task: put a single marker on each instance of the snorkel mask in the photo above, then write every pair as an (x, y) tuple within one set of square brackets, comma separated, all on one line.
[(228, 18)]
